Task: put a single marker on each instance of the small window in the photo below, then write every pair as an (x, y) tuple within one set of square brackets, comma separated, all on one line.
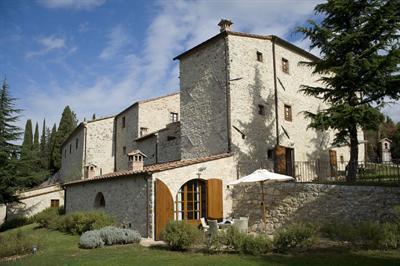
[(124, 150), (65, 153), (174, 117), (169, 138), (288, 112), (123, 122), (70, 148), (270, 153), (76, 143), (341, 159), (55, 203), (143, 131), (285, 65), (259, 56), (261, 109)]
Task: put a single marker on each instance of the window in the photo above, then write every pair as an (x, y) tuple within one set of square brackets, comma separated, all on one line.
[(76, 144), (191, 201), (259, 56), (169, 138), (55, 203), (341, 159), (123, 122), (285, 65), (288, 112), (65, 153), (270, 153), (174, 117), (143, 131), (261, 109), (70, 148), (124, 150)]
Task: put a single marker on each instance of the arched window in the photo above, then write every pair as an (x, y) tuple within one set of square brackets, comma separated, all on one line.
[(190, 201), (99, 201)]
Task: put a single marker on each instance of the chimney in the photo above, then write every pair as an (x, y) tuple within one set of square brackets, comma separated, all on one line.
[(90, 171), (136, 160), (225, 25)]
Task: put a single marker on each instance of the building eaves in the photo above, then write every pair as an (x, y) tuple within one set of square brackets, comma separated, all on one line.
[(255, 36), (148, 170)]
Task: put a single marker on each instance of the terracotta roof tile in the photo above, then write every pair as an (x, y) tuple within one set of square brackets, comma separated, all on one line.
[(153, 168)]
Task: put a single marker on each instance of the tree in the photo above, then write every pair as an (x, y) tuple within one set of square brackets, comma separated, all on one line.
[(36, 146), (50, 147), (395, 147), (9, 133), (27, 144), (358, 40), (44, 151), (67, 124)]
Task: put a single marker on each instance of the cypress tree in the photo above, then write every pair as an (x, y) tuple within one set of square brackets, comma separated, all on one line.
[(44, 152), (67, 124), (9, 133), (27, 144), (36, 147), (50, 147), (360, 54)]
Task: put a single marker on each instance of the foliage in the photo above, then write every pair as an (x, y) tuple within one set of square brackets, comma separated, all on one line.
[(234, 239), (256, 245), (48, 218), (15, 243), (339, 231), (27, 144), (67, 124), (297, 236), (360, 53), (14, 223), (9, 133), (180, 235), (91, 239)]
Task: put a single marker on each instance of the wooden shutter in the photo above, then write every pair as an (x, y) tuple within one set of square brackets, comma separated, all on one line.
[(280, 159), (214, 199), (164, 207)]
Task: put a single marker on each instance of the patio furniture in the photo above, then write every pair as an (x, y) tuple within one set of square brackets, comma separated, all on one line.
[(204, 225), (225, 224), (213, 227), (241, 224)]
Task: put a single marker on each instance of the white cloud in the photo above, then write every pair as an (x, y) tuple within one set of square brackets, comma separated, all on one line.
[(117, 39), (72, 4), (48, 44)]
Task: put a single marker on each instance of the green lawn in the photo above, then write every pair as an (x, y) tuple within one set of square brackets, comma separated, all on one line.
[(60, 249)]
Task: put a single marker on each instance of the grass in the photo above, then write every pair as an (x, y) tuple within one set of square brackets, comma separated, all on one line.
[(61, 249)]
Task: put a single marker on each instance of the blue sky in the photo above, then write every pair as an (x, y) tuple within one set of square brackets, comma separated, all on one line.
[(99, 56)]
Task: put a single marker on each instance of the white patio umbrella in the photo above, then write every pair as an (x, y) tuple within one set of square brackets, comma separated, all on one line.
[(262, 176)]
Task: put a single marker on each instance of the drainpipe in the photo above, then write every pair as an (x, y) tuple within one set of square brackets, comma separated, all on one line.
[(147, 206), (84, 147), (228, 96), (276, 92)]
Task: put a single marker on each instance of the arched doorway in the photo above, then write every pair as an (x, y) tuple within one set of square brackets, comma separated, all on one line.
[(99, 201), (191, 201)]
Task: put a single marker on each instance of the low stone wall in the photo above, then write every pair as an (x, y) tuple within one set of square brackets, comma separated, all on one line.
[(288, 203)]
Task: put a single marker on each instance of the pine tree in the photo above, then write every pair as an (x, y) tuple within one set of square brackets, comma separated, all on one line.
[(360, 54), (67, 124), (9, 133), (27, 144)]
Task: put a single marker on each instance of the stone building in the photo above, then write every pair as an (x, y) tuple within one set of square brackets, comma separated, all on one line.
[(239, 108), (384, 148)]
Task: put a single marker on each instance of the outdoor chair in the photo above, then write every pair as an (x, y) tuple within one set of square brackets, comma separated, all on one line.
[(241, 224), (213, 226), (204, 225)]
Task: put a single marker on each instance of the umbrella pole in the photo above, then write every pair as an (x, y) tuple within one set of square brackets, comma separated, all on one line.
[(262, 201)]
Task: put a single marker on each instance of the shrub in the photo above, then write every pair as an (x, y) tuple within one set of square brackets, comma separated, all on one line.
[(234, 239), (256, 245), (15, 243), (48, 218), (180, 235), (108, 236), (14, 223), (369, 234), (390, 237), (91, 239), (112, 235), (79, 222), (339, 231), (298, 236)]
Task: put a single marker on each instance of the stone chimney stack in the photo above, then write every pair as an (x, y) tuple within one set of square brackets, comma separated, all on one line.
[(136, 160), (90, 171), (225, 25)]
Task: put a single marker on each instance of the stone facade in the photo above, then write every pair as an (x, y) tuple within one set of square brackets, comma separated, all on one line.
[(126, 199), (34, 201), (3, 212), (287, 203), (91, 143), (151, 115)]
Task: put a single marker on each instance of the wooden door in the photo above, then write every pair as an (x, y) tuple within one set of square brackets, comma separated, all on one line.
[(333, 162), (280, 159), (214, 199), (164, 207), (290, 169)]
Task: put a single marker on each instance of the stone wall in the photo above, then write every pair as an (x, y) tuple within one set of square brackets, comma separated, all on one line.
[(34, 201), (3, 211), (169, 143), (126, 199), (100, 144), (72, 156), (288, 203), (203, 101)]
